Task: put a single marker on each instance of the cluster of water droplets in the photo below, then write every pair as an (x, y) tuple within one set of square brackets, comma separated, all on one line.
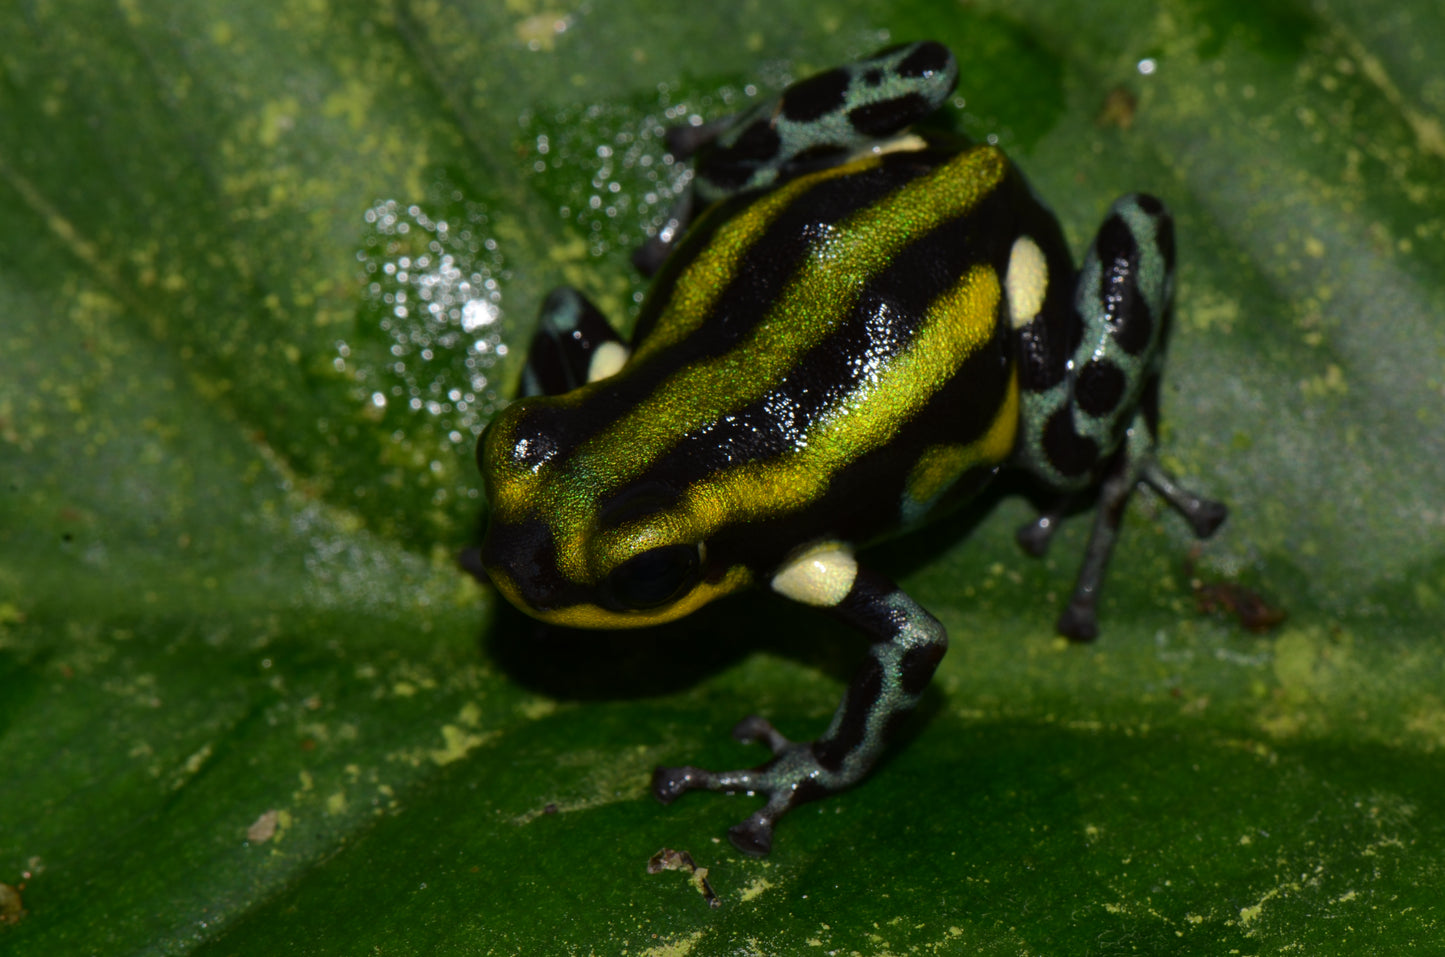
[(631, 178), (433, 298)]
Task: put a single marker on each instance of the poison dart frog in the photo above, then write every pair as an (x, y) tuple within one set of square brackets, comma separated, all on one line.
[(861, 327)]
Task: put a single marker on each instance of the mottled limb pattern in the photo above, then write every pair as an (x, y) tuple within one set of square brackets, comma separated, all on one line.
[(909, 644), (815, 123), (571, 332), (821, 120), (1095, 422)]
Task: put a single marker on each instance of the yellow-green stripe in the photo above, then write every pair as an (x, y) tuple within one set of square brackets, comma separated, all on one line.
[(824, 291), (955, 327)]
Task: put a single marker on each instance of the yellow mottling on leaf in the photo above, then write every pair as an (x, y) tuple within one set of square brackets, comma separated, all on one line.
[(612, 777), (1427, 721), (1296, 655), (458, 743), (755, 889), (1209, 311), (1248, 915), (193, 764), (676, 948), (1332, 382), (336, 803), (571, 250), (354, 102), (1429, 133), (537, 708), (540, 31)]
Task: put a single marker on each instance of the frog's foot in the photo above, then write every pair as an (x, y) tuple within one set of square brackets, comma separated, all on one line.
[(908, 644), (573, 345), (1034, 537), (1203, 515), (1079, 621), (794, 776)]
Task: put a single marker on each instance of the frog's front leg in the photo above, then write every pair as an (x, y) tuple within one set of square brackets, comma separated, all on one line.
[(573, 345), (908, 645)]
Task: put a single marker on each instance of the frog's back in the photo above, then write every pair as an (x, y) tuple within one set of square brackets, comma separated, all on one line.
[(842, 334)]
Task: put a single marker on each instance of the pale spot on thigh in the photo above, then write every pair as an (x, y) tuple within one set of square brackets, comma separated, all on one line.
[(819, 575), (606, 360), (1027, 281)]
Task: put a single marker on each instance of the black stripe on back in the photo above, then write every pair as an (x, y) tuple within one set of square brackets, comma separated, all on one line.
[(878, 328), (861, 503), (760, 278)]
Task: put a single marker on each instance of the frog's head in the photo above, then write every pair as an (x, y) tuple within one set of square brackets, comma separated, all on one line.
[(573, 542)]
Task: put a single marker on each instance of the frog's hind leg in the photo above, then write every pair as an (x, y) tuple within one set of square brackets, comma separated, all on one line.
[(822, 120), (1095, 422), (573, 345), (815, 123)]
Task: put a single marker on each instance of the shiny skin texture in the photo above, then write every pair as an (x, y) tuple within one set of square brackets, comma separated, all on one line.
[(852, 335)]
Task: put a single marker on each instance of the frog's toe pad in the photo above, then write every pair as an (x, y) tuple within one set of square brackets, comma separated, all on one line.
[(668, 784), (1033, 537), (1078, 622), (754, 836), (1208, 517)]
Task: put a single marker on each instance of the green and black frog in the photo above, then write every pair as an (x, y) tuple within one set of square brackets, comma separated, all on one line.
[(853, 329)]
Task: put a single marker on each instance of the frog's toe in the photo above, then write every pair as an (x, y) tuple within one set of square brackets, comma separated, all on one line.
[(668, 784), (755, 729), (1033, 537), (1207, 517), (1203, 515), (754, 836), (1079, 622)]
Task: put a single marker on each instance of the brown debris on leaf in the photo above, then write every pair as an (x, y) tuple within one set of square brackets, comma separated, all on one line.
[(669, 860), (1253, 610), (12, 908)]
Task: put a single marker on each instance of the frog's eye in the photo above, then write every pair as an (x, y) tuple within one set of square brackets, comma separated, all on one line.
[(655, 577)]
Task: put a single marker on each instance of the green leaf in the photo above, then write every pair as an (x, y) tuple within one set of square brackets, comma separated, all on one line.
[(248, 704)]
